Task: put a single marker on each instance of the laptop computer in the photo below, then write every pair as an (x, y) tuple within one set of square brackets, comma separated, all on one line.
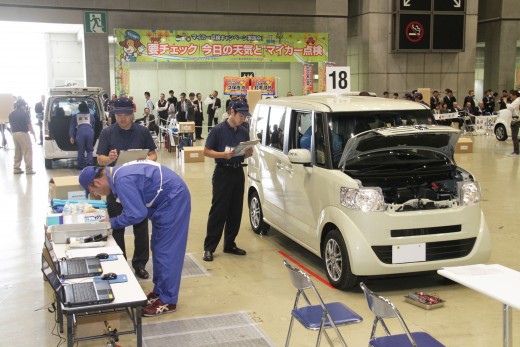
[(76, 267), (78, 294)]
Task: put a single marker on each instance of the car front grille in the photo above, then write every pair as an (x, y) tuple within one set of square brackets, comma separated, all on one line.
[(441, 250), (426, 231)]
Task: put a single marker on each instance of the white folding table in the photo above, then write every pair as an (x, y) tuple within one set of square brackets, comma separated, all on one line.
[(128, 296), (496, 281)]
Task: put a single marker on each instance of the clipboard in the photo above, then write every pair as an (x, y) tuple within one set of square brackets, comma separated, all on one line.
[(131, 155), (242, 146)]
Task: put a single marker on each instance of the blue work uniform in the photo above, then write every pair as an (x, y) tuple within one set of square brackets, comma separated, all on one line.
[(147, 189), (228, 187), (82, 131), (137, 137)]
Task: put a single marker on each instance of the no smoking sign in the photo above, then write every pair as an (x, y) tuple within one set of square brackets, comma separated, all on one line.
[(414, 31)]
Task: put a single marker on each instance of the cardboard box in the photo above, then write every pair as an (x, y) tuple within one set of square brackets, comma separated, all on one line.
[(66, 188), (193, 154), (464, 145), (186, 127)]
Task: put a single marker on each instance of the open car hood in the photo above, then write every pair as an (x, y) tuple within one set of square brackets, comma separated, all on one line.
[(433, 137)]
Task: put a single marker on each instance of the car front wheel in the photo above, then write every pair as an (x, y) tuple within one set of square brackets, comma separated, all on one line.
[(336, 261), (501, 132), (256, 216)]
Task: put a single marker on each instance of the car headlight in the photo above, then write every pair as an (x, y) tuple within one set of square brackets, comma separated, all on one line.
[(469, 193), (363, 199)]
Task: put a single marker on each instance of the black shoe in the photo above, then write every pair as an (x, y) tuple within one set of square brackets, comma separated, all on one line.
[(208, 256), (142, 273), (235, 250)]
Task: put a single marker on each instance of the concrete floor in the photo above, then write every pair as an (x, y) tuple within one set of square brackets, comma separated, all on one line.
[(258, 283)]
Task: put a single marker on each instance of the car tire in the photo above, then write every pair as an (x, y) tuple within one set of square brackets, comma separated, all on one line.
[(336, 261), (256, 216), (501, 132), (48, 163)]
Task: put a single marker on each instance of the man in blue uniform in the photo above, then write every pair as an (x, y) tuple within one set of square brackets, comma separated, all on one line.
[(228, 181), (81, 132), (125, 135), (147, 189)]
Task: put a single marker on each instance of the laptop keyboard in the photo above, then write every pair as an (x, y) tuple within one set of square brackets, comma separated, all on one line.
[(84, 292), (77, 267)]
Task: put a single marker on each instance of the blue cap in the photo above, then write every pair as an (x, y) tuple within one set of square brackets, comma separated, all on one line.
[(241, 107), (123, 106), (87, 176)]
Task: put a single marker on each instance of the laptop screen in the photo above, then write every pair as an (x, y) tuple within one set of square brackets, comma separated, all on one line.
[(53, 279)]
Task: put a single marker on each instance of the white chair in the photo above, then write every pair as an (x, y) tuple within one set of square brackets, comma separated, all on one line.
[(383, 308), (320, 316)]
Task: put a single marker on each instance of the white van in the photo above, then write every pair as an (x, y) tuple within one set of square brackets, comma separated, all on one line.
[(61, 104), (368, 184)]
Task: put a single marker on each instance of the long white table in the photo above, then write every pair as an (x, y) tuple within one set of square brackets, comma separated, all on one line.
[(496, 281), (128, 296)]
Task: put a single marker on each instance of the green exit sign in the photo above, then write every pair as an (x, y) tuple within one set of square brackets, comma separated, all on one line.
[(96, 22)]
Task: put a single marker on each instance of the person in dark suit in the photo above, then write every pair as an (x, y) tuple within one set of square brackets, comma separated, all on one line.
[(183, 108), (191, 108), (449, 99), (213, 109), (148, 120), (199, 116), (471, 99), (489, 101), (434, 100)]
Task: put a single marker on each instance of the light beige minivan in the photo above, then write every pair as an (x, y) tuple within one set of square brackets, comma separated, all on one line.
[(368, 184)]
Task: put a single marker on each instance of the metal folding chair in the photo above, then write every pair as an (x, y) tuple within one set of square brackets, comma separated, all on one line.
[(383, 308), (320, 316)]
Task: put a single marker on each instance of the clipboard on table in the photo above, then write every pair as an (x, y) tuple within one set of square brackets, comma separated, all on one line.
[(242, 146), (131, 155)]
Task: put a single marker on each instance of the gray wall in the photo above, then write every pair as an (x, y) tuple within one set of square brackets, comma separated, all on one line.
[(376, 68), (499, 30)]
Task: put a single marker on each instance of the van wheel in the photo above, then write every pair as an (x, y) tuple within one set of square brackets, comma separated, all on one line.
[(48, 163), (337, 264), (501, 132), (256, 217)]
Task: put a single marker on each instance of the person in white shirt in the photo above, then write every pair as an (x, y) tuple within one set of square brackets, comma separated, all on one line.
[(514, 107)]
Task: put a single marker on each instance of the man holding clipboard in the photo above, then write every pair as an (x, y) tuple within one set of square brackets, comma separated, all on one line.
[(225, 214), (125, 135)]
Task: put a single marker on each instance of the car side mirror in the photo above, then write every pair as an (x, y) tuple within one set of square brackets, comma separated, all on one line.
[(300, 156)]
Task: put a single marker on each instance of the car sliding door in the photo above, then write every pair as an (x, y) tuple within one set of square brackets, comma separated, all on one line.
[(271, 178), (300, 181)]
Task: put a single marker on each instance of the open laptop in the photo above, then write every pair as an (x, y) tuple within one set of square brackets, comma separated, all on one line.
[(76, 267), (78, 294)]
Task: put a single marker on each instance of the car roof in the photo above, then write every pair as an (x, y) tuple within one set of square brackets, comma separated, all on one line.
[(77, 91), (343, 103)]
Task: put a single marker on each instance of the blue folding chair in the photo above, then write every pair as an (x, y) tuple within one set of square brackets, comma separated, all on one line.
[(321, 316), (383, 308)]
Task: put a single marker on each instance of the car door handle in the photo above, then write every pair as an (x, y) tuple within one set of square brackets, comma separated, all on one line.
[(279, 166)]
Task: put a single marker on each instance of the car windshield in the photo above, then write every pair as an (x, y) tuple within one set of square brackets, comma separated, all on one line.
[(344, 125), (69, 106)]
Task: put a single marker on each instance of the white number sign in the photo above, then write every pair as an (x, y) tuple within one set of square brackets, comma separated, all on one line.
[(338, 79)]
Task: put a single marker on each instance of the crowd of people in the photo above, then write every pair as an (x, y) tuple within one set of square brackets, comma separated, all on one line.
[(490, 103)]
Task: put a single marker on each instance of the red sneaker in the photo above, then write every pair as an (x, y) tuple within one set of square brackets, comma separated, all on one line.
[(152, 297), (158, 308)]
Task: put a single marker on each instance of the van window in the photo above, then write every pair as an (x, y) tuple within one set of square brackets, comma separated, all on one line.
[(301, 130), (319, 141), (345, 125), (276, 127), (261, 122)]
